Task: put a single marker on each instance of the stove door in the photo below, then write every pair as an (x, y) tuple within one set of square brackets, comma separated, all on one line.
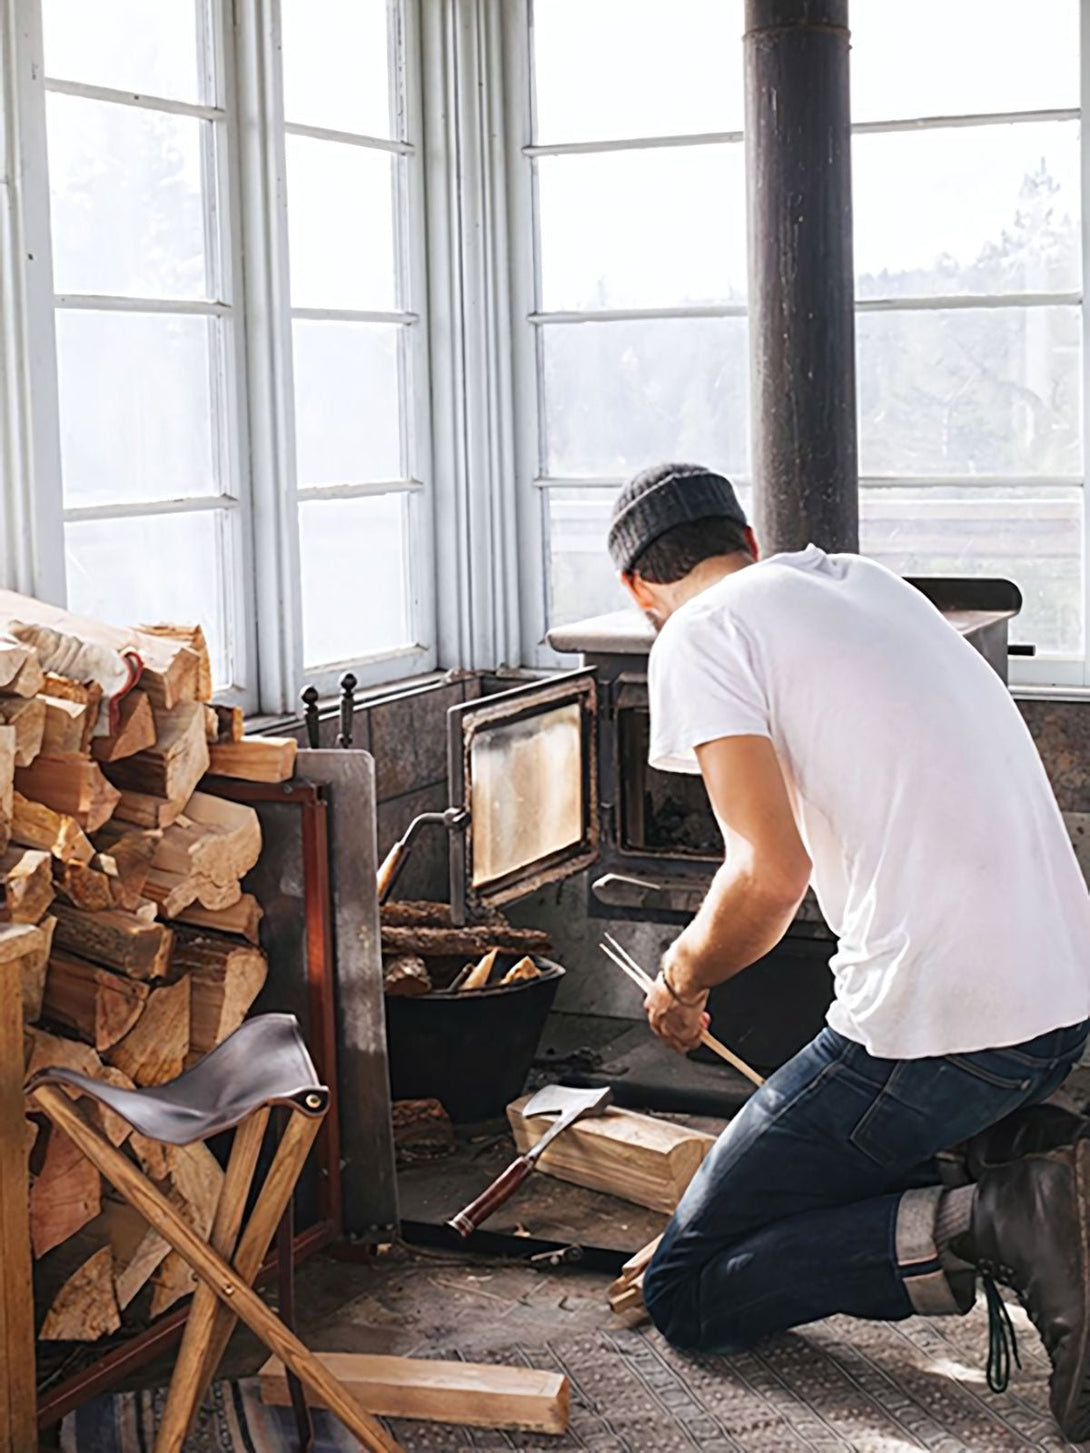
[(523, 765)]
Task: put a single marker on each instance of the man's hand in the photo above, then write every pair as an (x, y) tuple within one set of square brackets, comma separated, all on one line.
[(676, 1024)]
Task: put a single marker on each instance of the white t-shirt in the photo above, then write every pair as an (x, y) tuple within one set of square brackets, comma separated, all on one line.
[(940, 858)]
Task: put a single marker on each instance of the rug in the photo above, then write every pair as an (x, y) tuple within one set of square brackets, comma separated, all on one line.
[(841, 1386)]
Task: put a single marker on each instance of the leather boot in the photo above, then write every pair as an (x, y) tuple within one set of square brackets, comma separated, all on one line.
[(1029, 1231), (1031, 1130)]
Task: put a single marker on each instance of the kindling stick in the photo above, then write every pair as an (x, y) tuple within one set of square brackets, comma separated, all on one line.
[(628, 965)]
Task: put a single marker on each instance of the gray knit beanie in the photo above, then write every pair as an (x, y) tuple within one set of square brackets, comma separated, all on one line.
[(661, 497)]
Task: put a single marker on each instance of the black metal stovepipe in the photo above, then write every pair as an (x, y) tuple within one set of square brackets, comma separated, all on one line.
[(801, 285)]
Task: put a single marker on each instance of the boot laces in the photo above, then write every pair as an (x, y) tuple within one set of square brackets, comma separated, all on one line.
[(1002, 1341)]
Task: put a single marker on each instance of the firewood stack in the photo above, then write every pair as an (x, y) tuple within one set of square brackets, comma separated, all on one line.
[(121, 900)]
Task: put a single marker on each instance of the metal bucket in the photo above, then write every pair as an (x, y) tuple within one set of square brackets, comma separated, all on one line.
[(470, 1050)]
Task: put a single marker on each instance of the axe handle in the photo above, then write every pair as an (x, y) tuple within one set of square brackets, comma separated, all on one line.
[(501, 1190)]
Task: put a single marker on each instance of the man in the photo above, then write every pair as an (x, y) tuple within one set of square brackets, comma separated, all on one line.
[(850, 739)]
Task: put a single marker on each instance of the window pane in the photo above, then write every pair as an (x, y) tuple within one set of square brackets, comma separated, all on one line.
[(136, 407), (601, 249), (160, 568), (619, 396), (355, 581), (963, 57), (340, 225), (347, 410), (130, 45), (1031, 536), (127, 211), (971, 391), (990, 209), (612, 68), (336, 65)]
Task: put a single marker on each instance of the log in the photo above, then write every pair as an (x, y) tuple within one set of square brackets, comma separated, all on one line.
[(626, 1293), (217, 838), (84, 886), (255, 759), (137, 1250), (466, 942), (19, 939), (479, 975), (135, 730), (45, 1051), (154, 1050), (33, 965), (170, 668), (141, 809), (171, 768), (172, 1281), (173, 892), (406, 976), (36, 826), (14, 655), (101, 1006), (242, 918), (73, 785), (225, 978), (26, 885), (65, 1195), (117, 940), (64, 726), (17, 1381), (230, 723), (85, 1307), (524, 969), (27, 716), (193, 637), (635, 1157), (30, 679), (469, 1394), (7, 783), (133, 852)]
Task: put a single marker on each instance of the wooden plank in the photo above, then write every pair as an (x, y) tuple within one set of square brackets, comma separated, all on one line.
[(625, 1154), (36, 826), (172, 767), (469, 1394), (255, 759), (27, 716), (18, 1423), (135, 731), (170, 668), (73, 785)]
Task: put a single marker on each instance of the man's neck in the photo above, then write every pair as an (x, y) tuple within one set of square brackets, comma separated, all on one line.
[(707, 574)]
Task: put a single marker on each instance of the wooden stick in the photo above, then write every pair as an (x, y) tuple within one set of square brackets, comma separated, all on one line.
[(628, 965), (18, 1422), (228, 1283), (187, 1381)]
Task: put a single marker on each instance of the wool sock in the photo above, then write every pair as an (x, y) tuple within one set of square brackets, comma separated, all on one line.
[(953, 1218)]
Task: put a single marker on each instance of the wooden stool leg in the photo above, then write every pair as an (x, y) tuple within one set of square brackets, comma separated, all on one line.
[(187, 1383), (224, 1280), (18, 1407)]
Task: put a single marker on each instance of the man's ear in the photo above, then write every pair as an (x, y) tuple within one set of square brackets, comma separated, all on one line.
[(751, 541), (637, 589)]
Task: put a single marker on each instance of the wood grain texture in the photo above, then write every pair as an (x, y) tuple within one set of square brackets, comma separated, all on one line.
[(18, 1426), (255, 759)]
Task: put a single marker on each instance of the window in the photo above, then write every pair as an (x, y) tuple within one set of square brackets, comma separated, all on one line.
[(969, 337), (161, 206), (638, 324)]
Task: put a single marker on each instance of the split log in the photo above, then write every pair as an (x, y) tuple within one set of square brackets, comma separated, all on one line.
[(225, 978), (135, 730), (7, 783), (46, 1051), (255, 759), (626, 1293), (154, 1050), (462, 942), (33, 968), (85, 1306), (173, 1280), (26, 885), (153, 1156), (193, 637), (242, 918), (479, 975), (192, 1179), (99, 1005), (406, 976), (141, 809), (65, 1195), (635, 1157), (470, 1394), (217, 838), (14, 655), (170, 668), (118, 940), (138, 1251), (30, 679), (27, 716), (64, 726), (36, 826), (84, 886), (19, 939), (524, 969), (173, 893), (172, 767), (230, 723), (133, 853), (73, 785)]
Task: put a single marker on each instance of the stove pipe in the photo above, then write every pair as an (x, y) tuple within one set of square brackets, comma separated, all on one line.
[(801, 300)]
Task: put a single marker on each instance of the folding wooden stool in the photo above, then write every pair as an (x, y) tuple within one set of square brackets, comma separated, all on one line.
[(264, 1063)]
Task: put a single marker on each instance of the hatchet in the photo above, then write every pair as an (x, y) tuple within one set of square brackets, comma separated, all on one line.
[(568, 1105)]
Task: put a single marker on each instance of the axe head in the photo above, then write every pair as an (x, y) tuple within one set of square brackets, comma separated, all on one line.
[(567, 1102)]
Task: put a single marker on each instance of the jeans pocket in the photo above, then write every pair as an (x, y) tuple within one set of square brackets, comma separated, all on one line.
[(999, 1069)]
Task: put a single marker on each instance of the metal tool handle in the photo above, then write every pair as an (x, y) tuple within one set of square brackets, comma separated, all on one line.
[(390, 867), (490, 1200)]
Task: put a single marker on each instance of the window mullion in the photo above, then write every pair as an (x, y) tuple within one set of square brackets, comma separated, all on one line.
[(1084, 189)]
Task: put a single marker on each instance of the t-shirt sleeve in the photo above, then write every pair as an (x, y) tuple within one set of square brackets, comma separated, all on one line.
[(702, 685)]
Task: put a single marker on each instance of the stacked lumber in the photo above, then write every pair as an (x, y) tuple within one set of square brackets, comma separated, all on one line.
[(121, 902)]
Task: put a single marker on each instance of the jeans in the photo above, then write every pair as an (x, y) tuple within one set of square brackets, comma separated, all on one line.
[(820, 1195)]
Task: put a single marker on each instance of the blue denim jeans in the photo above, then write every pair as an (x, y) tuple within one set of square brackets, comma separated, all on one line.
[(820, 1195)]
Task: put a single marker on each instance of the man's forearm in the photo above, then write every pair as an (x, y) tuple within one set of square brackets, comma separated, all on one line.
[(739, 921)]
